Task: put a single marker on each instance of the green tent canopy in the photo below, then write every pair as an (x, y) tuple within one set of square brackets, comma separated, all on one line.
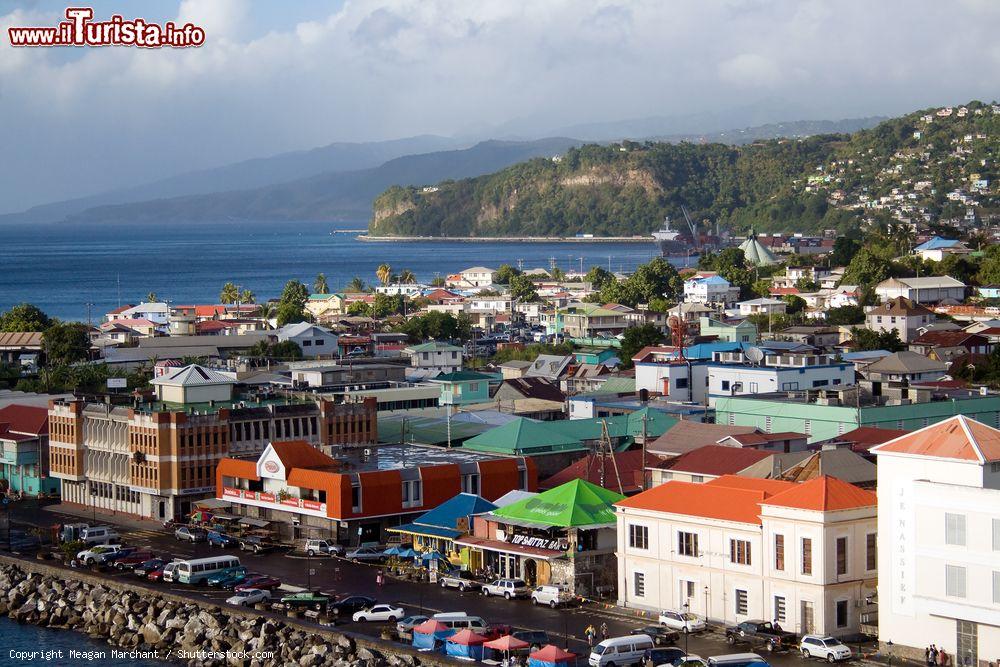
[(571, 505)]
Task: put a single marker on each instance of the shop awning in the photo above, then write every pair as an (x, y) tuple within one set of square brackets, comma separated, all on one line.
[(222, 516), (507, 548), (257, 523), (426, 531), (211, 504)]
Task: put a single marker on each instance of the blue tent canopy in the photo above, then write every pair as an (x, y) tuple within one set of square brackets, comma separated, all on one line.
[(431, 634), (474, 651)]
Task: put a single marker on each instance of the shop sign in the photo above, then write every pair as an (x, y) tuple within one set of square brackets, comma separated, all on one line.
[(536, 542)]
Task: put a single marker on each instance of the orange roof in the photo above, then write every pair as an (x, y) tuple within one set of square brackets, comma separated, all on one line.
[(957, 438), (317, 480), (824, 494), (300, 454), (713, 500), (239, 468), (769, 486)]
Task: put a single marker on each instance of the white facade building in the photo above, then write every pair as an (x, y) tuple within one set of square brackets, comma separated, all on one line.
[(735, 548), (315, 341), (711, 289), (939, 541), (435, 357), (930, 289)]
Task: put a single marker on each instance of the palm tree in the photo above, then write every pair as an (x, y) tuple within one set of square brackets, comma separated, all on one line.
[(384, 273), (266, 311), (229, 294), (246, 296), (406, 277), (356, 285), (320, 286), (151, 297)]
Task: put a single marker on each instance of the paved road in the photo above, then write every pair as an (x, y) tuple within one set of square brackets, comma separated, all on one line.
[(564, 626)]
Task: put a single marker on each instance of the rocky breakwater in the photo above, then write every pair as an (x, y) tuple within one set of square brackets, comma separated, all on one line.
[(175, 629)]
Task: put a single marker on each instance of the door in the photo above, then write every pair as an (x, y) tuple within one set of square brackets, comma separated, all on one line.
[(968, 644), (806, 618), (530, 572)]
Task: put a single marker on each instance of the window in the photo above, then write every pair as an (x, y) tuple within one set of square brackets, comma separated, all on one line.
[(871, 551), (841, 613), (742, 602), (682, 383), (638, 536), (355, 497), (470, 483), (807, 426), (820, 383), (473, 386), (996, 588), (687, 588), (739, 551), (639, 584), (954, 581), (779, 609), (767, 424), (841, 556), (318, 342), (807, 555), (523, 478), (687, 544), (725, 385), (779, 552), (954, 529), (697, 479), (412, 493)]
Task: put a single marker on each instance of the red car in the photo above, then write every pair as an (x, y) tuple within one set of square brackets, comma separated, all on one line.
[(155, 575), (262, 582)]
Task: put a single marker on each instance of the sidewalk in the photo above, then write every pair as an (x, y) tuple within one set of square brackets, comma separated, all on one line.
[(88, 515)]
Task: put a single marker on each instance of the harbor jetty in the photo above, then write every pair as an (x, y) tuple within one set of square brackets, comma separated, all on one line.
[(505, 239)]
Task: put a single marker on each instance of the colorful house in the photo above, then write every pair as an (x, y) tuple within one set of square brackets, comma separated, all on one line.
[(438, 529), (24, 436), (460, 387)]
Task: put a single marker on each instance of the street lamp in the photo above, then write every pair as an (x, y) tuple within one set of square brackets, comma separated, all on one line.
[(687, 607)]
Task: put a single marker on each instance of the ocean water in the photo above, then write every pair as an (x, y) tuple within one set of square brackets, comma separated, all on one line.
[(20, 641), (63, 267)]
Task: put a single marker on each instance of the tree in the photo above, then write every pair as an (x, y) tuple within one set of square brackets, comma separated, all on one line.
[(505, 273), (356, 285), (437, 325), (151, 298), (845, 315), (384, 273), (359, 309), (286, 350), (522, 289), (292, 303), (66, 343), (407, 277), (267, 311), (320, 286), (867, 339), (806, 285), (636, 338), (598, 277), (247, 296), (438, 281), (795, 304), (867, 268), (384, 305), (959, 267), (24, 317), (844, 249), (229, 294)]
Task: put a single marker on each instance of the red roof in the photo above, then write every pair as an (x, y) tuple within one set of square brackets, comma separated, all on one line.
[(958, 438), (824, 494), (756, 439), (552, 653), (715, 500), (864, 438), (120, 309), (467, 637), (950, 339), (782, 291), (300, 454), (717, 460), (593, 468), (25, 419)]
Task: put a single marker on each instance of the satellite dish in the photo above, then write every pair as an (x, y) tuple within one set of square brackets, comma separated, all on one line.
[(673, 321), (754, 354)]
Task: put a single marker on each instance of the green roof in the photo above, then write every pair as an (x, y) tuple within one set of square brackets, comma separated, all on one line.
[(619, 385), (426, 430), (463, 376), (573, 504), (433, 346)]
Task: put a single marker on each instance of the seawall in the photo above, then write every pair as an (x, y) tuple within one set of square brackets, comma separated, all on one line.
[(179, 629), (506, 239)]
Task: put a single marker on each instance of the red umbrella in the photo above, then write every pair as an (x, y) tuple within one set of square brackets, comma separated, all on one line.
[(466, 637), (507, 643), (430, 626), (552, 653)]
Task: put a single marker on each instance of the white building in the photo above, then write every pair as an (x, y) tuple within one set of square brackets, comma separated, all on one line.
[(939, 541), (314, 340), (154, 312), (434, 357), (711, 289), (477, 276), (735, 548), (930, 289), (762, 306), (900, 314)]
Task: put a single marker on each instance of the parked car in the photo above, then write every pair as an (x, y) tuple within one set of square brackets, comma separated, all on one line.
[(96, 554), (463, 580), (616, 651), (130, 560), (368, 554), (757, 632), (249, 597), (19, 540), (665, 657), (508, 588), (537, 638), (346, 605), (553, 596), (322, 548), (379, 612), (407, 624), (232, 581), (262, 581), (219, 539), (828, 648), (733, 660), (99, 535), (146, 567), (168, 572), (190, 534), (308, 599), (660, 635), (459, 620), (258, 545), (220, 578), (682, 621)]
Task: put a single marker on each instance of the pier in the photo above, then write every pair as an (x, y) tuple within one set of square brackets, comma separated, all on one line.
[(506, 239)]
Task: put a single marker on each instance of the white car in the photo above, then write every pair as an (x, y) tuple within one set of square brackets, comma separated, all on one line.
[(828, 648), (322, 547), (380, 612), (508, 588), (681, 621), (249, 596), (96, 554)]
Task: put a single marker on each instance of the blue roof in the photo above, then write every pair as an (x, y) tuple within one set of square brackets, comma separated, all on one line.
[(937, 243), (447, 514), (708, 350), (713, 280), (867, 354), (429, 531)]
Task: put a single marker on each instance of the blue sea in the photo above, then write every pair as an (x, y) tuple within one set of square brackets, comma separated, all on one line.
[(19, 641), (63, 267)]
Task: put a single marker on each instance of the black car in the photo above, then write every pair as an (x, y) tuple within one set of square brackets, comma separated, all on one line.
[(537, 638), (665, 656), (344, 607), (144, 568), (660, 635)]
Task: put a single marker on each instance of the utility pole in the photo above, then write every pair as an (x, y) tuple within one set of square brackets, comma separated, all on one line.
[(89, 323), (643, 463)]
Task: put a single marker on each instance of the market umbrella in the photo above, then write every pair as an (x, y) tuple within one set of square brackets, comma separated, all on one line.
[(551, 656), (465, 644), (427, 634), (506, 644), (391, 551), (431, 555), (408, 553)]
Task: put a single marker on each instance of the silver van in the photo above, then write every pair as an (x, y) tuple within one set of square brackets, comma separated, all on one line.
[(169, 571), (619, 651), (460, 621), (99, 535)]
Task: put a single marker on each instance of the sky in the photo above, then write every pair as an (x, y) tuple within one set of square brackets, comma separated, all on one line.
[(280, 76)]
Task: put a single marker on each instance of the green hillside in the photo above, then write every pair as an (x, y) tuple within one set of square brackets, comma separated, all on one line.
[(903, 168)]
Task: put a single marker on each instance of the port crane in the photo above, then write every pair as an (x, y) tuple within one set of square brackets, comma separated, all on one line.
[(692, 227)]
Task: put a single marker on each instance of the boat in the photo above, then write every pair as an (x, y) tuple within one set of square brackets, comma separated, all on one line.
[(671, 242)]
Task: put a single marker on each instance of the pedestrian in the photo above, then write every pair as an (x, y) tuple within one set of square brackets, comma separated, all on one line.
[(932, 660), (604, 631), (591, 633), (378, 579), (943, 660), (929, 658)]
